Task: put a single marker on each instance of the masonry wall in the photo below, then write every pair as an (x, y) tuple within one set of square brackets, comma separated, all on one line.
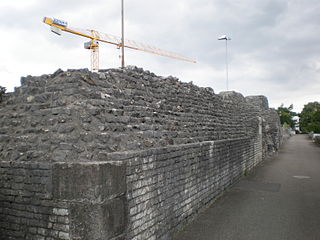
[(62, 201), (167, 187), (122, 154)]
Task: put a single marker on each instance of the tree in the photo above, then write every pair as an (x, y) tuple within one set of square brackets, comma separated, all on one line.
[(310, 117), (286, 115)]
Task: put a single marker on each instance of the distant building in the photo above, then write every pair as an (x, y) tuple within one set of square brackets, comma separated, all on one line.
[(297, 125)]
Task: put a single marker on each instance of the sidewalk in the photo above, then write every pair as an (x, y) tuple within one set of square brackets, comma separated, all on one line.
[(280, 200)]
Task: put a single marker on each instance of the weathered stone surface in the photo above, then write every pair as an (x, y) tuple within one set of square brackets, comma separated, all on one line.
[(84, 182), (95, 221), (122, 154), (76, 106), (259, 101)]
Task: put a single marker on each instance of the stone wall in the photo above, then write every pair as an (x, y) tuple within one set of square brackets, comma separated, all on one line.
[(122, 154), (62, 200), (167, 187)]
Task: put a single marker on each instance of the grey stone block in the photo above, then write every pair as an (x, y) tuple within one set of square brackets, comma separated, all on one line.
[(89, 221), (88, 181)]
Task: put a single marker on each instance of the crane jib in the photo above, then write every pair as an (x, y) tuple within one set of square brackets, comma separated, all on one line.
[(57, 26)]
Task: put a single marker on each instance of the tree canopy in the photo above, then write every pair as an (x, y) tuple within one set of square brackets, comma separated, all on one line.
[(310, 117), (286, 115)]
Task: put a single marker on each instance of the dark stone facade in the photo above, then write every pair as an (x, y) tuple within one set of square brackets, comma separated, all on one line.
[(122, 154)]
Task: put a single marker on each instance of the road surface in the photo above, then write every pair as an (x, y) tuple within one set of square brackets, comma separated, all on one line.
[(280, 200)]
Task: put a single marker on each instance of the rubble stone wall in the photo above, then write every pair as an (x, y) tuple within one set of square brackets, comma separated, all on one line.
[(122, 154)]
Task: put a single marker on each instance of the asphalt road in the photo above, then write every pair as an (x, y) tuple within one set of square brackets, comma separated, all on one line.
[(280, 200)]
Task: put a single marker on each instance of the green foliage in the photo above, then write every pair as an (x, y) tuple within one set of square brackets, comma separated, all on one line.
[(286, 115), (2, 92), (285, 125), (310, 117)]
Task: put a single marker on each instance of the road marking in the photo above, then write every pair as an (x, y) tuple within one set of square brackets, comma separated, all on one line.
[(302, 177)]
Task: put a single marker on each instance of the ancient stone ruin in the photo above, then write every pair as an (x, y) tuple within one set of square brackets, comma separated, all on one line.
[(122, 154)]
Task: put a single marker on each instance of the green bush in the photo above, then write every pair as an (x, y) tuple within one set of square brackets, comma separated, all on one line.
[(314, 127)]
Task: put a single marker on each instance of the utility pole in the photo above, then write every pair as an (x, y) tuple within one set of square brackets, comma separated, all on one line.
[(122, 34), (224, 37)]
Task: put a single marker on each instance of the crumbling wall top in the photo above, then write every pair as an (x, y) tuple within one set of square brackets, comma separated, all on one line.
[(259, 101), (75, 114)]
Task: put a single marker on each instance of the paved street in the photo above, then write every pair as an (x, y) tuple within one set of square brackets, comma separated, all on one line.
[(280, 200)]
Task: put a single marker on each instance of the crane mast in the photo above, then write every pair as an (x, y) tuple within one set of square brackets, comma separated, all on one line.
[(94, 47), (57, 26)]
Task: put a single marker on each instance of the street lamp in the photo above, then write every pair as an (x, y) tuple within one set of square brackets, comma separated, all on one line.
[(224, 37), (122, 34)]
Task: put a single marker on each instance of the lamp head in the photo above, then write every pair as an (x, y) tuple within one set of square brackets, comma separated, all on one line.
[(224, 37)]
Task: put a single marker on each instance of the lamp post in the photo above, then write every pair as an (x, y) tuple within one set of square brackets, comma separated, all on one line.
[(224, 37), (122, 34)]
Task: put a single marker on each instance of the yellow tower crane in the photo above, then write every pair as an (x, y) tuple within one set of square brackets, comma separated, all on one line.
[(57, 26)]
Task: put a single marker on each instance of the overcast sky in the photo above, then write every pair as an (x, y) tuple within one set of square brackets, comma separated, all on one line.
[(274, 51)]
